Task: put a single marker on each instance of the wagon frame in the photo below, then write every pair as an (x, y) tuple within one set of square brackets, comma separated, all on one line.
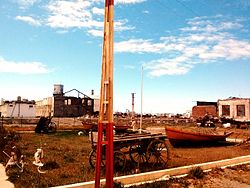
[(140, 148)]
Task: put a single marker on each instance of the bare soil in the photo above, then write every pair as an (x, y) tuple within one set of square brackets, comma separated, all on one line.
[(66, 160), (231, 177)]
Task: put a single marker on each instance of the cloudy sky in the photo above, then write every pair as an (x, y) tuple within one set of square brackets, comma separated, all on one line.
[(190, 50)]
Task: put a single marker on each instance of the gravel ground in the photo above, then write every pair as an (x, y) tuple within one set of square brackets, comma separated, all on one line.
[(233, 177)]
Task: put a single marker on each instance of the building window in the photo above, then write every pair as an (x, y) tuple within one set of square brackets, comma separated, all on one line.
[(67, 102), (30, 106), (89, 102), (11, 105), (240, 110), (225, 110)]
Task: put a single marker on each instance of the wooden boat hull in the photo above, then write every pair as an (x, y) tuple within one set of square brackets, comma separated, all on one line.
[(92, 126), (178, 136)]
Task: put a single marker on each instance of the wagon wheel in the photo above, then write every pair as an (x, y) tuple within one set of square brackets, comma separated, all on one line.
[(137, 154), (119, 161), (157, 153), (92, 159)]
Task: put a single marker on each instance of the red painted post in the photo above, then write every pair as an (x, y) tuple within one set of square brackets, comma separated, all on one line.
[(110, 156), (105, 121), (98, 156)]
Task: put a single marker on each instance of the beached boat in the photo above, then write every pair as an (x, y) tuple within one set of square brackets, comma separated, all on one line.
[(202, 135), (93, 126)]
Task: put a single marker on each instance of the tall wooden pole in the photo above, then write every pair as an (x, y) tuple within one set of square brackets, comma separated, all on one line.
[(105, 122), (141, 98)]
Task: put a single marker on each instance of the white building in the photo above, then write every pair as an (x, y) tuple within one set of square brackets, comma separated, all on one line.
[(96, 101), (18, 108), (45, 107), (235, 108)]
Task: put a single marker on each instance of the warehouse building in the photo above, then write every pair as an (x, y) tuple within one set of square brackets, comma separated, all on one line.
[(63, 105), (17, 108)]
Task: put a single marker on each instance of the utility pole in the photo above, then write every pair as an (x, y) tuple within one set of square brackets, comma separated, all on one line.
[(141, 98), (105, 121), (133, 106)]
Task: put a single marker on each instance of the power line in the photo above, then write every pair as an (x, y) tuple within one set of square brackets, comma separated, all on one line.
[(189, 9)]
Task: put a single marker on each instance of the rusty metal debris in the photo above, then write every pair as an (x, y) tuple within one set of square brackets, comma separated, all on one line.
[(45, 125)]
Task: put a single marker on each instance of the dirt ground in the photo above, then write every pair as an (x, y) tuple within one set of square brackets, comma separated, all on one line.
[(230, 177), (66, 154)]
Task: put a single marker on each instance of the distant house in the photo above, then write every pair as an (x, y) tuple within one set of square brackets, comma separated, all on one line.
[(235, 108), (204, 108), (18, 108), (96, 101)]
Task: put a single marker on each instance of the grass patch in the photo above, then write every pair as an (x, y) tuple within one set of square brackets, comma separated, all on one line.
[(64, 161), (65, 134)]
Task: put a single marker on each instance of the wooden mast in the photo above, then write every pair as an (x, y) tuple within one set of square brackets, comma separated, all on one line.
[(105, 122)]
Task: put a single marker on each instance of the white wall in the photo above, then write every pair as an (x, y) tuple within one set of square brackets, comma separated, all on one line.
[(18, 110)]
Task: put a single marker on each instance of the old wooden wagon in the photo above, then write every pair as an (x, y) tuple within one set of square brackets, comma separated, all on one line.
[(134, 147)]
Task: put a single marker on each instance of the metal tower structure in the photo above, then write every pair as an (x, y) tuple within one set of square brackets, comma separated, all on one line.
[(133, 107), (105, 122)]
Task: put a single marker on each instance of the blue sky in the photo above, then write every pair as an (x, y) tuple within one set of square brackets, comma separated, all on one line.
[(190, 50)]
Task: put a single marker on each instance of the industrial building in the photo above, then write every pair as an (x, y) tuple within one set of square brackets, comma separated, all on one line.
[(235, 108), (62, 105)]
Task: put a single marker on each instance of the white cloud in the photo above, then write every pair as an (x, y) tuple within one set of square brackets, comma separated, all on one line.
[(64, 15), (67, 14), (80, 14), (204, 40), (29, 20), (26, 3), (96, 33), (138, 46), (168, 67), (22, 67), (122, 25), (98, 11), (204, 24)]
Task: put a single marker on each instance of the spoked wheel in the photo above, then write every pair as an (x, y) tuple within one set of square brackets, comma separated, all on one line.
[(92, 159), (137, 154), (119, 161), (157, 153)]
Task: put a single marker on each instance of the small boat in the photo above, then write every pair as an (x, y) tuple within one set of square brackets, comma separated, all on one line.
[(93, 126), (178, 136), (89, 126)]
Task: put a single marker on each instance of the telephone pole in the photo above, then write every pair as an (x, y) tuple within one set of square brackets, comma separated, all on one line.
[(105, 121)]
